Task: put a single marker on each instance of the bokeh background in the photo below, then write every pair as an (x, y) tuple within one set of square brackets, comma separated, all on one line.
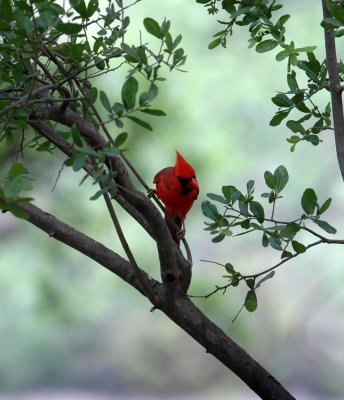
[(71, 330)]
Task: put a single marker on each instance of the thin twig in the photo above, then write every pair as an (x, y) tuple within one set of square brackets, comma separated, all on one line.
[(126, 248), (254, 276)]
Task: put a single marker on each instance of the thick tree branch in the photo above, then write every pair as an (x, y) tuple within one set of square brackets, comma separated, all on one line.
[(87, 246), (336, 92), (178, 308)]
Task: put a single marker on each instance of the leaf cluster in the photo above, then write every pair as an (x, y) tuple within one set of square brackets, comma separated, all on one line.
[(243, 213), (267, 33), (43, 44), (12, 183), (236, 213)]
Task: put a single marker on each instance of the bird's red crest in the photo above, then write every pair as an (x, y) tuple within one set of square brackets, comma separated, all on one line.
[(182, 168)]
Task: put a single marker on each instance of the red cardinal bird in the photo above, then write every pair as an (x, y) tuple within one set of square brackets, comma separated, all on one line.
[(177, 188)]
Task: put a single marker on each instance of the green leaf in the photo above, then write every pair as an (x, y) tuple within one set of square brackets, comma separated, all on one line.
[(231, 193), (281, 178), (129, 91), (118, 108), (282, 100), (265, 278), (109, 152), (105, 101), (241, 11), (165, 26), (269, 179), (290, 230), (17, 212), (178, 56), (243, 207), (308, 49), (140, 122), (79, 161), (214, 43), (153, 91), (169, 42), (150, 95), (16, 169), (177, 41), (130, 50), (330, 23), (325, 206), (235, 280), (209, 210), (6, 10), (314, 139), (218, 238), (266, 45), (250, 283), (286, 254), (126, 23), (94, 94), (250, 186), (142, 55), (98, 194), (298, 247), (283, 19), (92, 8), (292, 82), (80, 7), (251, 302), (229, 268), (339, 33), (13, 187), (69, 28), (257, 210), (265, 240), (325, 226), (119, 123), (309, 201), (282, 55), (275, 243), (245, 224), (279, 117), (120, 139), (296, 126), (255, 226), (76, 135), (217, 197), (338, 13), (153, 28), (152, 111), (298, 100)]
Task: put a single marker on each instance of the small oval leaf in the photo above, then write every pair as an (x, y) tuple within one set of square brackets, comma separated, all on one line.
[(266, 45), (251, 301)]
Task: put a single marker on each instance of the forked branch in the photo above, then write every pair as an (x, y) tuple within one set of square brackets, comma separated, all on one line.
[(179, 308)]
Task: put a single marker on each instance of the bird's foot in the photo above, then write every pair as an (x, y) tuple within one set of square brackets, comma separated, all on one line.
[(151, 193), (180, 234)]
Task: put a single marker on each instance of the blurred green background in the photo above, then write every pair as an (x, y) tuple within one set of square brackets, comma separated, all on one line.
[(71, 330)]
